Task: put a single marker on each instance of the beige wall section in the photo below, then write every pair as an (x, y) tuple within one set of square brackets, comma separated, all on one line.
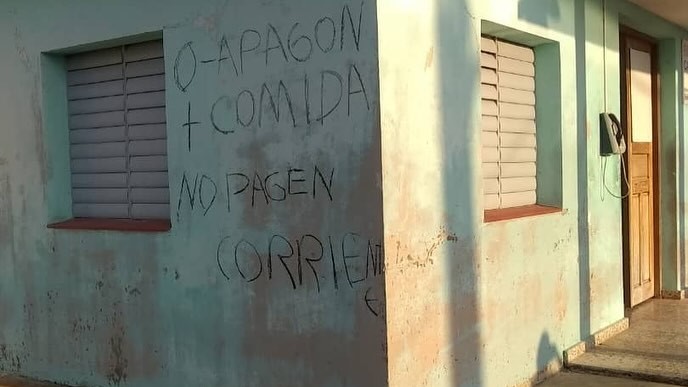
[(429, 82), (446, 270)]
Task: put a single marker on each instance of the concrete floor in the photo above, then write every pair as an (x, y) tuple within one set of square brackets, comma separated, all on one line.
[(572, 379), (654, 348)]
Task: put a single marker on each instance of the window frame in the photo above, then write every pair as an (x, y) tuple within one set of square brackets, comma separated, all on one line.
[(548, 122), (509, 129), (55, 127)]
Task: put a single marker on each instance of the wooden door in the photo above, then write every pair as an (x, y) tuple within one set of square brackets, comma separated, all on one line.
[(639, 100)]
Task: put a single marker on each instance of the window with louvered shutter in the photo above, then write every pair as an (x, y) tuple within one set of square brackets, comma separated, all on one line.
[(117, 132), (508, 124)]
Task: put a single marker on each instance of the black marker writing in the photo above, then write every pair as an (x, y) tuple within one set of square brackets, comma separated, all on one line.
[(184, 77), (188, 125)]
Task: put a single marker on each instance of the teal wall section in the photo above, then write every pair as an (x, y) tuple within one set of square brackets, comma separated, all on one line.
[(682, 165), (375, 267), (669, 63), (601, 278), (279, 283)]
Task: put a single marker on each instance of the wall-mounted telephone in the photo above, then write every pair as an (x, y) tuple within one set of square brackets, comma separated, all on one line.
[(611, 136)]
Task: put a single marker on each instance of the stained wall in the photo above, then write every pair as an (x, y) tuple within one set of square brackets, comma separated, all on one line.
[(272, 271)]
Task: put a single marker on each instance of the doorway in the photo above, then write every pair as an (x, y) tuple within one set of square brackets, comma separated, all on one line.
[(640, 120)]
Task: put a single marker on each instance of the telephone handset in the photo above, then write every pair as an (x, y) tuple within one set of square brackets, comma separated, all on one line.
[(611, 136)]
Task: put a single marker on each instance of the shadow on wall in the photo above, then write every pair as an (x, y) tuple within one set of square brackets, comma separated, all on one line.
[(583, 186), (548, 356), (547, 13), (458, 45)]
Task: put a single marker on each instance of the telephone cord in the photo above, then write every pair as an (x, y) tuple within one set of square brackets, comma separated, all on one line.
[(625, 178)]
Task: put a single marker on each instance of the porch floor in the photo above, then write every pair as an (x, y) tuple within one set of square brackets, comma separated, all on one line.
[(575, 379), (654, 348)]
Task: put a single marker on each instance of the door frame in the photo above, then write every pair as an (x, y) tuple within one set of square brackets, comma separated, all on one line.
[(625, 33)]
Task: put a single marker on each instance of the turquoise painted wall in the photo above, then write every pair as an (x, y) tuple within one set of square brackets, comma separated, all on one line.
[(506, 297), (279, 283), (460, 302)]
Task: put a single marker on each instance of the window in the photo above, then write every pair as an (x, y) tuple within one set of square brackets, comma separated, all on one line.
[(508, 124), (117, 132)]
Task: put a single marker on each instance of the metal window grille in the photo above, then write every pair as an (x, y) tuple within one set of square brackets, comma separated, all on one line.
[(508, 124), (117, 132)]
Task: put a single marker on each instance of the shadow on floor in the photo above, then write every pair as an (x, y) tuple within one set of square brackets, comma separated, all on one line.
[(654, 348)]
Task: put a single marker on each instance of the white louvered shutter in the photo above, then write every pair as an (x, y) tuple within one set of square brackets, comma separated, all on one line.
[(508, 124), (117, 132)]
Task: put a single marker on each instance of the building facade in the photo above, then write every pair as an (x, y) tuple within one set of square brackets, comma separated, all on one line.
[(333, 193)]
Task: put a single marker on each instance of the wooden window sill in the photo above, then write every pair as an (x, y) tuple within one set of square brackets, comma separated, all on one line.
[(502, 214), (132, 225)]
